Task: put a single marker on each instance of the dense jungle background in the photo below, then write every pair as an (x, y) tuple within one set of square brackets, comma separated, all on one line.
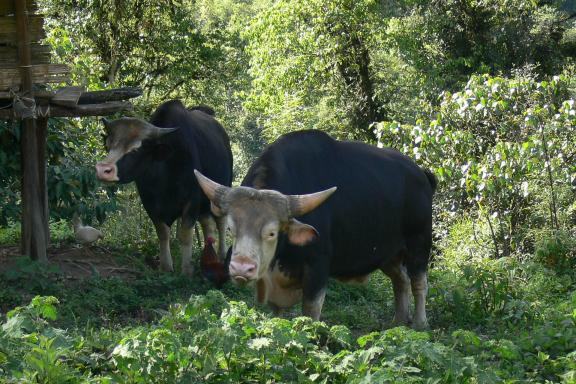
[(482, 92)]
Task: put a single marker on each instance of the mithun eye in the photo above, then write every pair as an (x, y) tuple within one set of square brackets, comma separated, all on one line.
[(271, 234)]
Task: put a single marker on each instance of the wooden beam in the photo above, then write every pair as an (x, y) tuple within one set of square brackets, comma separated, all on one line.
[(84, 110), (102, 109), (33, 231), (117, 94), (90, 97), (38, 94)]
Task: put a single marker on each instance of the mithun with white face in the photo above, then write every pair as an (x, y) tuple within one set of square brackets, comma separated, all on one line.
[(255, 218)]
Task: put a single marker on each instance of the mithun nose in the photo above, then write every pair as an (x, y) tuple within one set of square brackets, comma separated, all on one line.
[(106, 172), (243, 269)]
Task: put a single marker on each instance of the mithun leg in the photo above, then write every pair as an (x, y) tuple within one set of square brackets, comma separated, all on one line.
[(419, 291), (185, 230), (313, 307), (417, 266), (401, 286), (163, 232), (221, 226), (208, 227)]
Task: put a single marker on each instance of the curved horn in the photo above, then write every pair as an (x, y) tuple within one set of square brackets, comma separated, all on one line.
[(215, 192), (106, 123), (153, 131), (301, 204)]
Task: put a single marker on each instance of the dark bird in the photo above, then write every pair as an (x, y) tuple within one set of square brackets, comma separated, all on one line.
[(212, 268)]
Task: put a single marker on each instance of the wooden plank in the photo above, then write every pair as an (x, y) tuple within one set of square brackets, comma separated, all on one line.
[(8, 29), (7, 7), (67, 96), (41, 74), (40, 54)]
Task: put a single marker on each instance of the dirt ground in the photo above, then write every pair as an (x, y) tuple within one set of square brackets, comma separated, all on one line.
[(75, 262)]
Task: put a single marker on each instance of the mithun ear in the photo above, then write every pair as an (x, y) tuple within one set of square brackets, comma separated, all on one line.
[(300, 233), (216, 210)]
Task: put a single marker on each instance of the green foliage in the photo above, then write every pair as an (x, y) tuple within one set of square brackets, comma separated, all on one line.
[(493, 320), (496, 147), (556, 250), (475, 290), (449, 40), (342, 65), (9, 169), (74, 148), (72, 187), (212, 339), (10, 233), (39, 348), (311, 68)]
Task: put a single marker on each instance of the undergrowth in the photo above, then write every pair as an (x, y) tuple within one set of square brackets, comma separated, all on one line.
[(511, 319)]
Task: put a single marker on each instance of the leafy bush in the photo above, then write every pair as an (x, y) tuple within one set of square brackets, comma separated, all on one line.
[(211, 339), (72, 150), (556, 250), (496, 146)]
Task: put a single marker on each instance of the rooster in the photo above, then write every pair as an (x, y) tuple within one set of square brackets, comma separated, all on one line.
[(212, 268)]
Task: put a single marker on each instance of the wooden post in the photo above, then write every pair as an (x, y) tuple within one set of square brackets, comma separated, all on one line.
[(41, 139), (33, 229)]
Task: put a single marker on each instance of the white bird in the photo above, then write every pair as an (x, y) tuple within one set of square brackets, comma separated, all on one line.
[(85, 234)]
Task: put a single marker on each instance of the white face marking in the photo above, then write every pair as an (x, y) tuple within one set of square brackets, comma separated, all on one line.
[(257, 244), (230, 227), (113, 156), (269, 236)]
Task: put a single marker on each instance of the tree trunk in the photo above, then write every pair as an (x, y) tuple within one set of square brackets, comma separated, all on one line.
[(354, 67)]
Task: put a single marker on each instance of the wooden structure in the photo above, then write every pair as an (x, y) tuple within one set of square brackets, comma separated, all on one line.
[(25, 71)]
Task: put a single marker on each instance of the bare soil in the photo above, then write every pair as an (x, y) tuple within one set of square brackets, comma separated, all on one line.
[(75, 262)]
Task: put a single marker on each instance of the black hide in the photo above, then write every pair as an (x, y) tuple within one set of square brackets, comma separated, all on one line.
[(163, 168), (381, 211)]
